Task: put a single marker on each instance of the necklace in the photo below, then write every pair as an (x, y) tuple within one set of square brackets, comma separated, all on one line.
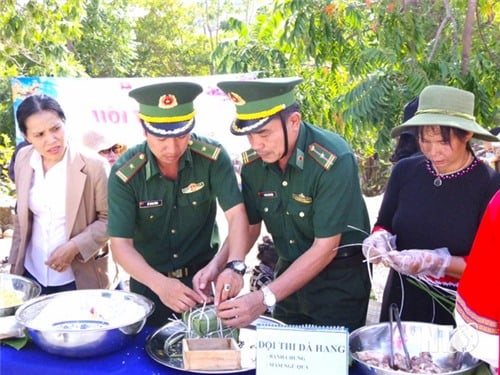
[(464, 169)]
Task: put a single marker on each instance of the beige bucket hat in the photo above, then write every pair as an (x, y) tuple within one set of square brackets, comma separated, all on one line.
[(99, 140), (446, 106)]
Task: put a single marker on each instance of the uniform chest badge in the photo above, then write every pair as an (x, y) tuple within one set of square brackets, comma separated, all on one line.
[(267, 194), (301, 198), (151, 204), (193, 187)]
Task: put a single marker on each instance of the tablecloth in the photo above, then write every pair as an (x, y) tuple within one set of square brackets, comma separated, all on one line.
[(133, 359)]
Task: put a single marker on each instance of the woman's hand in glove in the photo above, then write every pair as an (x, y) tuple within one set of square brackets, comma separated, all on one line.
[(420, 262), (377, 244)]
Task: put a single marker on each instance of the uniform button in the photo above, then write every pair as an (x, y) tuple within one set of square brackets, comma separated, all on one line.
[(291, 242), (195, 203), (172, 231), (284, 183), (175, 256), (301, 214), (266, 209), (287, 213), (151, 216)]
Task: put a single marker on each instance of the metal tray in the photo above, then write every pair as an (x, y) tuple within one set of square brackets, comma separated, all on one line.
[(155, 347)]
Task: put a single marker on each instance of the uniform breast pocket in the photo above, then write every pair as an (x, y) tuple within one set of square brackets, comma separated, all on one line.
[(150, 220), (271, 212), (301, 214), (195, 200)]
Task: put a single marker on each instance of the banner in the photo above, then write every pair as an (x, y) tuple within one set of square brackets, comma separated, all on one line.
[(91, 102)]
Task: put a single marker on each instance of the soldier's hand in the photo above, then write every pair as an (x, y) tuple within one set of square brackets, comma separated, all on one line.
[(229, 285), (241, 311), (177, 296), (203, 280)]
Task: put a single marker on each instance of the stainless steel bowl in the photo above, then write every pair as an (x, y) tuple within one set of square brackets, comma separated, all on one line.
[(14, 291), (85, 323), (419, 337)]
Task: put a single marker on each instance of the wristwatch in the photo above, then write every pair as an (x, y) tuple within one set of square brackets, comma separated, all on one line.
[(269, 298), (237, 266)]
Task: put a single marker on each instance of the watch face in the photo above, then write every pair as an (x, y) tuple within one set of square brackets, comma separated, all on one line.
[(238, 266), (269, 297)]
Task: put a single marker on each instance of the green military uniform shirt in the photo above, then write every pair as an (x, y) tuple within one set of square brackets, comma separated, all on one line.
[(318, 194), (172, 223)]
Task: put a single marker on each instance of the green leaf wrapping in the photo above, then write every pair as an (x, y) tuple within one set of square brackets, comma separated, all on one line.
[(204, 323)]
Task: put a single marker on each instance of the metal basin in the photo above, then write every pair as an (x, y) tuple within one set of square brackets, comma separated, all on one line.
[(85, 323), (14, 291), (419, 337)]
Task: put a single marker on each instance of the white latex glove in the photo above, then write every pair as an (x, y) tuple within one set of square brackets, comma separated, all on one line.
[(377, 244), (420, 262)]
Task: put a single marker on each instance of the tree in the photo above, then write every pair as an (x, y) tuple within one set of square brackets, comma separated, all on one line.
[(106, 46), (169, 40), (363, 61)]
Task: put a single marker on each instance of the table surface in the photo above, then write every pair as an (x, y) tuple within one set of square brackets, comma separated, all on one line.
[(133, 359)]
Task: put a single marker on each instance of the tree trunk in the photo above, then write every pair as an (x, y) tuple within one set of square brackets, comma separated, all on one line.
[(467, 36)]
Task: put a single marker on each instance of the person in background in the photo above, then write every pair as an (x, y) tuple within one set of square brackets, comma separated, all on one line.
[(12, 174), (163, 196), (102, 141), (407, 143), (489, 151), (263, 273), (61, 214), (302, 182), (432, 206), (478, 318)]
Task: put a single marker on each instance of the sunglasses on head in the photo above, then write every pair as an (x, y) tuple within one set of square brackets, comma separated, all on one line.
[(116, 149)]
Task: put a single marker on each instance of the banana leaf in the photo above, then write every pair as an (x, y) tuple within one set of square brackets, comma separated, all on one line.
[(204, 323)]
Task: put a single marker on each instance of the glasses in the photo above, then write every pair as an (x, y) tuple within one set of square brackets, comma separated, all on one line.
[(115, 149)]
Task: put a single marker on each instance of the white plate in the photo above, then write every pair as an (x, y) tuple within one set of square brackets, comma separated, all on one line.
[(155, 347)]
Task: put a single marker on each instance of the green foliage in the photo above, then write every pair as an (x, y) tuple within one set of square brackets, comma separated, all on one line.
[(106, 47), (363, 61), (6, 151), (167, 42)]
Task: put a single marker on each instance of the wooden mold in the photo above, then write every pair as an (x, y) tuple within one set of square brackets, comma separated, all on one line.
[(211, 354)]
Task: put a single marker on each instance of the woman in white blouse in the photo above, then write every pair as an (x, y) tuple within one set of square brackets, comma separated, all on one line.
[(60, 228)]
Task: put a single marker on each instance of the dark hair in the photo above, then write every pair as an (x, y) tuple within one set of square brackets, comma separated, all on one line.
[(445, 133), (34, 104), (284, 114), (407, 146)]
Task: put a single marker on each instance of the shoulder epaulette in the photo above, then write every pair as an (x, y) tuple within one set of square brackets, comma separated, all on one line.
[(321, 155), (249, 156), (205, 149), (131, 167)]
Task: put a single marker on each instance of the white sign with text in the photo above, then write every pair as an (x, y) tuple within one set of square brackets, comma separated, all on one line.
[(302, 350)]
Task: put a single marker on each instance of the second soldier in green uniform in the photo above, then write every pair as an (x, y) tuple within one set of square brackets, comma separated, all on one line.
[(163, 197), (302, 182)]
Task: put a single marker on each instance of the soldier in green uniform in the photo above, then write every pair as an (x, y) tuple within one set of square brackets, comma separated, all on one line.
[(302, 182), (163, 197)]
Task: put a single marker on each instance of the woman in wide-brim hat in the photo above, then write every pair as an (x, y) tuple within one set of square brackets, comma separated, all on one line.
[(432, 206)]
